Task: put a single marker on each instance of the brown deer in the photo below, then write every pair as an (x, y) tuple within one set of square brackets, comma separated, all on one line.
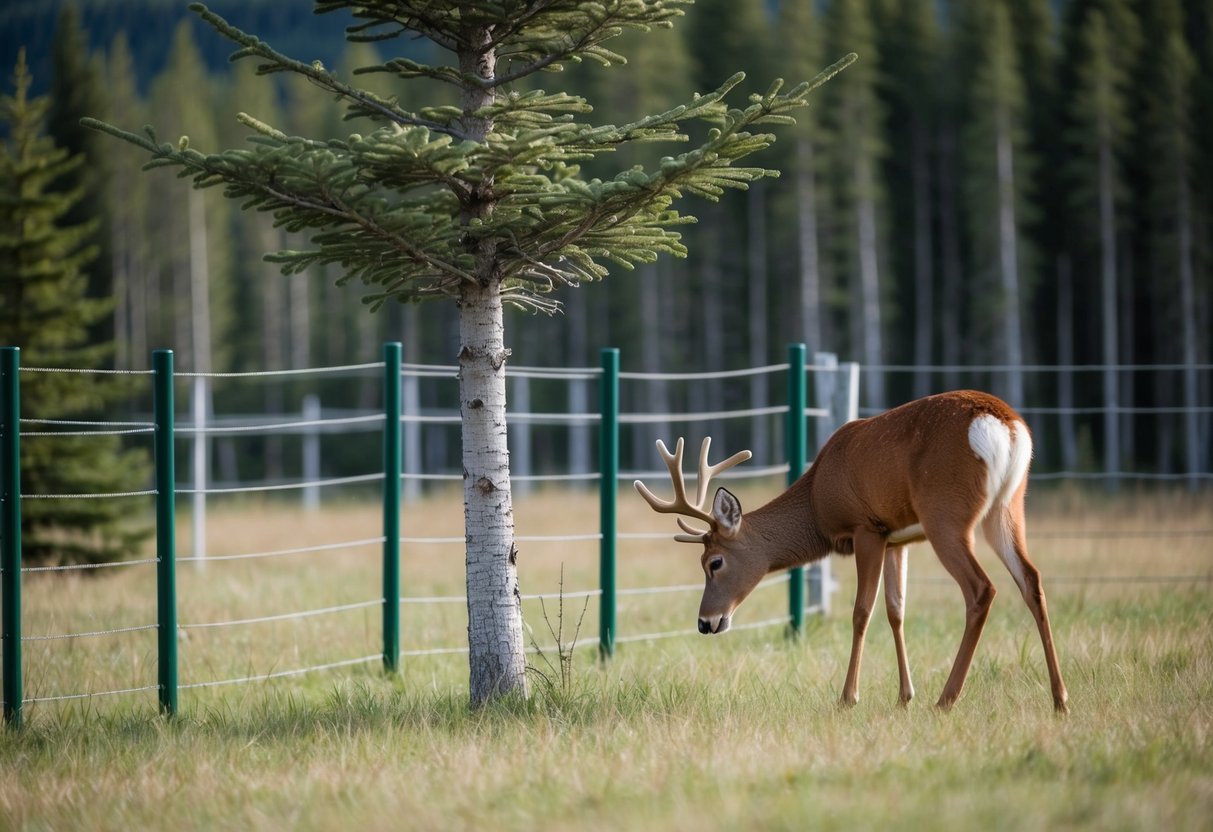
[(933, 469)]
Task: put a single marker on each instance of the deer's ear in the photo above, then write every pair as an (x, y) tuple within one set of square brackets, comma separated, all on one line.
[(726, 509)]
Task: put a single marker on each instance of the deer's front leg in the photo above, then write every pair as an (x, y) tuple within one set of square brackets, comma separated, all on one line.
[(869, 557), (895, 607)]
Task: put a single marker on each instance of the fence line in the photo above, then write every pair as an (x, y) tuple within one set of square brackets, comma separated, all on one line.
[(836, 387)]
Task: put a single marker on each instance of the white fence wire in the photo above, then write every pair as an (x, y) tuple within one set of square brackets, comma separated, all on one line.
[(340, 424)]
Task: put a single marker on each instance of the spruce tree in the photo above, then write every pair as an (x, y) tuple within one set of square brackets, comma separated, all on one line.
[(76, 91), (44, 310), (481, 204)]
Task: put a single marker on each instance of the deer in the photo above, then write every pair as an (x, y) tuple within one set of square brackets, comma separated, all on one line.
[(931, 470)]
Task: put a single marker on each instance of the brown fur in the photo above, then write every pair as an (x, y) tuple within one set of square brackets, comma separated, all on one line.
[(909, 466)]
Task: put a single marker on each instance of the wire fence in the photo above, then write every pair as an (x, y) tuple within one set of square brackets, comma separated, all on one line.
[(836, 389)]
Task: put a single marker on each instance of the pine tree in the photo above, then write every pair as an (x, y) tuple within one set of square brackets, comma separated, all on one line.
[(76, 92), (481, 204), (44, 311)]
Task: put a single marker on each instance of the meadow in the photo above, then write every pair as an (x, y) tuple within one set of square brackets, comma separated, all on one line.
[(687, 732)]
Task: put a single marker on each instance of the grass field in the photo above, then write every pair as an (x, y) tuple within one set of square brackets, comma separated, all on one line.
[(738, 731)]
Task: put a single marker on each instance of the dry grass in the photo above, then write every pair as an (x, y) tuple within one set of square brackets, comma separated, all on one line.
[(684, 733)]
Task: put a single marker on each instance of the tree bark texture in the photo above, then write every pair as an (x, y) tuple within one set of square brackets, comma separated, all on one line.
[(1008, 260), (810, 265), (496, 650), (496, 656), (924, 271)]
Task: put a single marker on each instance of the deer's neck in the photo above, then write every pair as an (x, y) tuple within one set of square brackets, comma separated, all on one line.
[(789, 528)]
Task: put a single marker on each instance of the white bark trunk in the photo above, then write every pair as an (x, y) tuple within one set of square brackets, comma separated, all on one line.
[(757, 289), (1008, 261), (869, 281), (200, 295), (950, 249), (924, 278), (810, 267), (496, 654), (496, 649)]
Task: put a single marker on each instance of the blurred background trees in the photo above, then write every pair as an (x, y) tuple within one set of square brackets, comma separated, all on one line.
[(1010, 182)]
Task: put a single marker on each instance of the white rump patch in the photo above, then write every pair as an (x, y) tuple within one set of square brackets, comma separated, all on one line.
[(1006, 451)]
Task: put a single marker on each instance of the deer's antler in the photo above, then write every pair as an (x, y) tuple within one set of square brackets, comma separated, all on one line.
[(680, 504)]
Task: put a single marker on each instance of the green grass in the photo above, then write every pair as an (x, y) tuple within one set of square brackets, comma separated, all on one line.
[(740, 731)]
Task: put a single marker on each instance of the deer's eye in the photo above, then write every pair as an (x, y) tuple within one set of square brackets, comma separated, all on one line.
[(715, 563)]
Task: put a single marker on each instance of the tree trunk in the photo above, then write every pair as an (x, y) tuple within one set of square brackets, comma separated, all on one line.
[(496, 656), (579, 389), (495, 642), (810, 266), (1008, 261), (657, 393), (711, 391), (949, 234), (760, 431), (1108, 302), (869, 282), (924, 278)]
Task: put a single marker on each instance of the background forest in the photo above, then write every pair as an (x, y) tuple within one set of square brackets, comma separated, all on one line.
[(996, 182)]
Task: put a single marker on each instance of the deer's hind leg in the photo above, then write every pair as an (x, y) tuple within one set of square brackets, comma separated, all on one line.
[(953, 543), (1004, 529), (869, 556), (895, 567)]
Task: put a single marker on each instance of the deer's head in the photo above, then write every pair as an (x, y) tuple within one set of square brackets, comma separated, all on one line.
[(732, 564)]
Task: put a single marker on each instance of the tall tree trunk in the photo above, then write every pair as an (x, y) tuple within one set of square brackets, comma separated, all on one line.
[(496, 649), (924, 277), (713, 319), (1108, 302), (1008, 261), (869, 282), (757, 287), (949, 234), (274, 335), (657, 391), (810, 266), (496, 656), (579, 389)]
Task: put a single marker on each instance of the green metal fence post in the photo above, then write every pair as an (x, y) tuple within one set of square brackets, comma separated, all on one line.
[(166, 528), (796, 436), (608, 455), (392, 358), (10, 529)]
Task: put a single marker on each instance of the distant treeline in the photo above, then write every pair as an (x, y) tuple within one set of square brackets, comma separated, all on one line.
[(995, 182)]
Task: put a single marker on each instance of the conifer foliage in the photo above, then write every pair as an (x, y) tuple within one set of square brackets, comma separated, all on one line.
[(43, 309), (482, 203)]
